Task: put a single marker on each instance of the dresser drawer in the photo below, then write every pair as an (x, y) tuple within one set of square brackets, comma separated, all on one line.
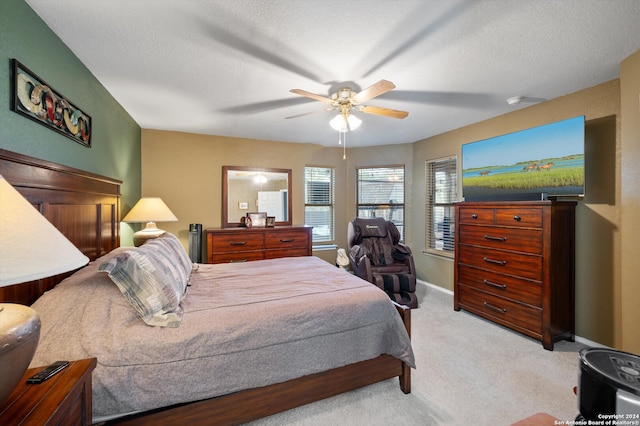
[(242, 244), (476, 216), (517, 264), (500, 310), (525, 240), (286, 240), (239, 256), (241, 241), (520, 290), (521, 217), (514, 265), (292, 252)]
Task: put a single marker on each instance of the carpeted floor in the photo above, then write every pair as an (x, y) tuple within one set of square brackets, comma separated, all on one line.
[(469, 372)]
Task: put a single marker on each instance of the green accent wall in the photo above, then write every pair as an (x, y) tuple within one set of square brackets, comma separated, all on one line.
[(115, 141)]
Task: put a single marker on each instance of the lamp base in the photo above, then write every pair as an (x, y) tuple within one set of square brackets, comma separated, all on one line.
[(19, 335), (151, 231)]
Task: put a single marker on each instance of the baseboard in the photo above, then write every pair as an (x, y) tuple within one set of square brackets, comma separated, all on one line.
[(428, 285), (434, 287), (590, 343)]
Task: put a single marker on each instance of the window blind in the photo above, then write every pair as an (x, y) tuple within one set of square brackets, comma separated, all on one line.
[(442, 193), (380, 193), (319, 202)]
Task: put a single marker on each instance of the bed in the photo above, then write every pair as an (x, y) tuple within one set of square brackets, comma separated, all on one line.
[(245, 348)]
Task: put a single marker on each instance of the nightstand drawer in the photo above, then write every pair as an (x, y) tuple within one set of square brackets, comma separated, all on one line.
[(521, 290), (504, 262), (524, 240), (64, 399), (241, 241)]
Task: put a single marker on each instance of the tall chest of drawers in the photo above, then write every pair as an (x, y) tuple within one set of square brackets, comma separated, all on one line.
[(226, 245), (514, 265)]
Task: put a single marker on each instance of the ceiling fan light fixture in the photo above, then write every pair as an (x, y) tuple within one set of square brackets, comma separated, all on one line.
[(338, 123), (354, 122), (343, 124)]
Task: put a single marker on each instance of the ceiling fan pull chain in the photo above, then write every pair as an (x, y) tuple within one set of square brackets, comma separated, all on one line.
[(344, 147)]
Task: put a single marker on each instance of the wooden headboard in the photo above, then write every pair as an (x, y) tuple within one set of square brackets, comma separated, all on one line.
[(84, 206)]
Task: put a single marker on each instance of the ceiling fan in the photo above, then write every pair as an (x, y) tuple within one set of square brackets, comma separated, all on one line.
[(346, 100)]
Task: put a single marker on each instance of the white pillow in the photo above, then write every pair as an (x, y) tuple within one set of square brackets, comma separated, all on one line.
[(153, 278)]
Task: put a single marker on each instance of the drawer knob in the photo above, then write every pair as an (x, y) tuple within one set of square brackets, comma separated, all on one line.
[(490, 237), (496, 285), (517, 218), (238, 243), (474, 216), (494, 261), (495, 308), (289, 240)]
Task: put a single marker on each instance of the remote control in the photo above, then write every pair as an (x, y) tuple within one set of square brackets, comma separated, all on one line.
[(47, 372)]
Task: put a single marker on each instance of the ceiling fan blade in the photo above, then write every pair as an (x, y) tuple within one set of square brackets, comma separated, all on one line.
[(311, 95), (383, 86), (532, 99), (448, 99), (393, 113), (308, 113), (258, 107)]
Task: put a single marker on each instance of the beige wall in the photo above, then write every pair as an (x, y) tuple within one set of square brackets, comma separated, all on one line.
[(629, 295), (597, 216), (185, 170)]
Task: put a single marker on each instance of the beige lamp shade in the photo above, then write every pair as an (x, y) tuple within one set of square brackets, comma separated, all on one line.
[(149, 210), (30, 248)]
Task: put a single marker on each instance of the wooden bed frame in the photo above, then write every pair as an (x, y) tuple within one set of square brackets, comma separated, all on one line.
[(85, 207)]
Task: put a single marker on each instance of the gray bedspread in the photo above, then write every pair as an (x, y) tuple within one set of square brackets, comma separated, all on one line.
[(244, 326)]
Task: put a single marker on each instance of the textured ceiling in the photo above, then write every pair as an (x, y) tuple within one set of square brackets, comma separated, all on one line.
[(225, 67)]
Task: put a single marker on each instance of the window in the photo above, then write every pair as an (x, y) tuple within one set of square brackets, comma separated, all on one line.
[(319, 187), (380, 193), (441, 187)]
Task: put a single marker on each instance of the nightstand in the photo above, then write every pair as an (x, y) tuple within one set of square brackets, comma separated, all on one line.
[(63, 399)]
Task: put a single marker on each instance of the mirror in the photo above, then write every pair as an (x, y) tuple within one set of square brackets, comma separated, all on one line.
[(249, 189)]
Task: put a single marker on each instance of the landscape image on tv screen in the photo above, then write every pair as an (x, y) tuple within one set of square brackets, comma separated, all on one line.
[(547, 159)]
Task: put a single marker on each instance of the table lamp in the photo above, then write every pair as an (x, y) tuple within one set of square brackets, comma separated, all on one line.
[(31, 248), (150, 210)]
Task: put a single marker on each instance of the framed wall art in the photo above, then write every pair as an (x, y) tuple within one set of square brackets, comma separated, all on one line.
[(35, 99)]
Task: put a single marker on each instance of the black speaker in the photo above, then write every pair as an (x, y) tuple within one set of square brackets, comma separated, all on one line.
[(195, 242)]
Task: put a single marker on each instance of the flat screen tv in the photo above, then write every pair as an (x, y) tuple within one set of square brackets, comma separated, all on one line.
[(537, 163)]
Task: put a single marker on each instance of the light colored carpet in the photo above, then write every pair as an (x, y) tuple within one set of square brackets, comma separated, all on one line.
[(469, 372)]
